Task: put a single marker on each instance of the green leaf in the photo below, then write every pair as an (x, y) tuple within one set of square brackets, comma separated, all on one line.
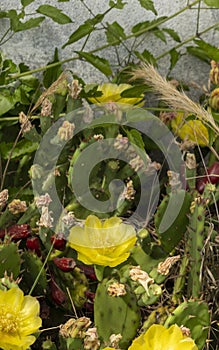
[(174, 35), (118, 4), (3, 14), (22, 147), (98, 62), (14, 20), (114, 33), (25, 3), (135, 138), (174, 57), (31, 23), (211, 51), (17, 25), (143, 27), (148, 5), (134, 91), (146, 56), (55, 14), (79, 33), (197, 52), (213, 3), (6, 103), (159, 34)]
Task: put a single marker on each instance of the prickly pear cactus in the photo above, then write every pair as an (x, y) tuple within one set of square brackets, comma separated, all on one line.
[(32, 267), (169, 226), (115, 314), (197, 233), (77, 284), (195, 316), (9, 259)]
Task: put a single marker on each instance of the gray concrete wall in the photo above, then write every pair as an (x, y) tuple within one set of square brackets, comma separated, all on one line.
[(36, 47)]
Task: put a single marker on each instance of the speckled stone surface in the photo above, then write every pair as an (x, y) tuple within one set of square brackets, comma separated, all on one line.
[(36, 47)]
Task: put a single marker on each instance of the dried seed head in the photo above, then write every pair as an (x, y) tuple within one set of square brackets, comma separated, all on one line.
[(43, 201), (3, 198), (116, 289), (164, 266), (74, 89), (75, 328), (66, 131), (114, 340), (190, 161), (141, 276), (91, 341), (98, 137), (174, 180), (17, 206), (46, 219), (129, 191), (136, 163), (185, 331), (25, 123), (121, 142), (69, 219), (174, 98), (46, 108)]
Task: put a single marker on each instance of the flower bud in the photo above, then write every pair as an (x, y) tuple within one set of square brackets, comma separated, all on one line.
[(17, 206), (214, 72), (214, 99), (65, 264)]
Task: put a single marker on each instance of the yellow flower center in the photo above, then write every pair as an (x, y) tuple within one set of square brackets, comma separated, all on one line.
[(9, 322)]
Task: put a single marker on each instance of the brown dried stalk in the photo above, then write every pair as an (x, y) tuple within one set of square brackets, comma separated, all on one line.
[(169, 94)]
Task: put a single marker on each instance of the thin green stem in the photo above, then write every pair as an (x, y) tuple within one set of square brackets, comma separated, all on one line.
[(198, 18), (2, 41), (188, 40), (41, 270), (142, 31)]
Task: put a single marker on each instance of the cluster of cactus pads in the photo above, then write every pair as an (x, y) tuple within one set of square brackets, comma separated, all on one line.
[(164, 280)]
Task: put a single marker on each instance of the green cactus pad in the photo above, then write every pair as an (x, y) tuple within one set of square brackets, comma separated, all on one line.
[(170, 224), (9, 259), (195, 316), (115, 314), (32, 266)]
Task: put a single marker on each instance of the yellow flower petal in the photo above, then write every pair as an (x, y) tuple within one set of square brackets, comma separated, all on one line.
[(157, 337), (113, 221), (19, 318), (106, 244), (190, 130), (13, 297), (93, 221), (112, 93)]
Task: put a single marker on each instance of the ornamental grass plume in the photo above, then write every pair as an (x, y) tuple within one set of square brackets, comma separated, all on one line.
[(157, 337), (19, 319), (174, 98), (106, 243), (112, 93)]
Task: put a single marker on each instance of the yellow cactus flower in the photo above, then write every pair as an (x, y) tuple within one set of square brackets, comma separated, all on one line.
[(112, 93), (157, 337), (190, 130), (19, 318), (105, 243)]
